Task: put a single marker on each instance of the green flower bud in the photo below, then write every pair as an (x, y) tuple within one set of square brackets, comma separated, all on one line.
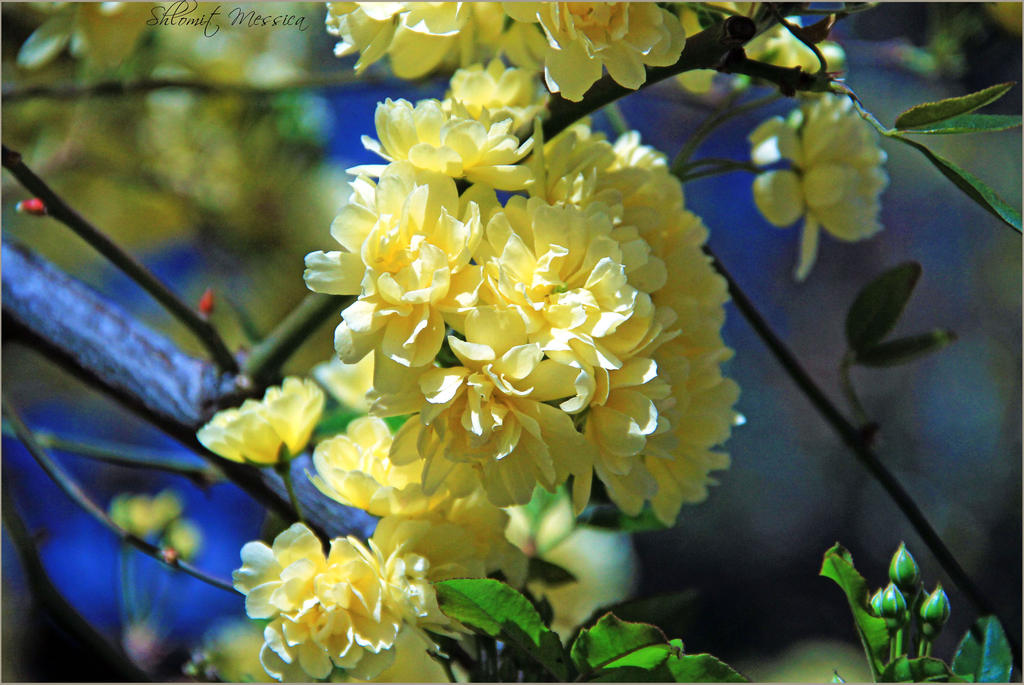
[(876, 603), (903, 571), (893, 606), (934, 612)]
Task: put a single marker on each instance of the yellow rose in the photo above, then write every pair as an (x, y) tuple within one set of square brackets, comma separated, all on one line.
[(257, 431), (836, 176)]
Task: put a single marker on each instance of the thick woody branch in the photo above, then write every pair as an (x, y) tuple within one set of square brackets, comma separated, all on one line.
[(76, 327)]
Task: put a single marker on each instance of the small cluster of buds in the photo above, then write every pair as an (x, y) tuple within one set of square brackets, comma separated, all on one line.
[(904, 598)]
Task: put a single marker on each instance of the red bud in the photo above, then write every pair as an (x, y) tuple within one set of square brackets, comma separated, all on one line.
[(170, 555), (206, 302), (32, 206)]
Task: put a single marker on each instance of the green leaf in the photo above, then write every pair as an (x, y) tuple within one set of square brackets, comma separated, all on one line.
[(611, 517), (971, 186), (494, 608), (878, 306), (931, 112), (971, 123), (548, 573), (838, 566), (336, 422), (903, 350), (672, 612), (984, 655), (613, 643), (921, 670), (702, 668), (678, 667)]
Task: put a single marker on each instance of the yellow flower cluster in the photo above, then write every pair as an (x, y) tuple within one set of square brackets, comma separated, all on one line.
[(257, 431), (535, 341), (347, 609), (836, 176), (573, 42), (160, 515)]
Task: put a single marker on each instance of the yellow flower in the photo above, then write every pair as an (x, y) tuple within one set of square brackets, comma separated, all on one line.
[(492, 412), (348, 383), (583, 37), (143, 515), (232, 649), (413, 663), (102, 33), (664, 447), (481, 148), (621, 418), (836, 178), (354, 469), (256, 431), (503, 93), (408, 241), (417, 36), (561, 269), (324, 611), (779, 46)]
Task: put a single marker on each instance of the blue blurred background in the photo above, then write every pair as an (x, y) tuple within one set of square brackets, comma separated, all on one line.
[(238, 210)]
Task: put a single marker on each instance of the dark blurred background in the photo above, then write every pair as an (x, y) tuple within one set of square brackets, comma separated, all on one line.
[(230, 192)]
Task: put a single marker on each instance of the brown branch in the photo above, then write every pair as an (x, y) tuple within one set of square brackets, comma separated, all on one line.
[(72, 325), (134, 269)]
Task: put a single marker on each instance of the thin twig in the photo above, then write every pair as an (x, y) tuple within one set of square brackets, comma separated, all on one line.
[(267, 358), (855, 441), (47, 594), (723, 115), (75, 91), (718, 170), (62, 212), (125, 455), (71, 488)]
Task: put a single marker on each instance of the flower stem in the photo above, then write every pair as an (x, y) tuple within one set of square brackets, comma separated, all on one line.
[(616, 119), (725, 113), (73, 490), (124, 455), (267, 358), (134, 269), (864, 454), (284, 469)]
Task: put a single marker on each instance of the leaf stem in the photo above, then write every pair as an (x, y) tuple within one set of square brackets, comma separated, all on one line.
[(134, 269), (864, 454), (73, 490), (267, 358), (860, 416)]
